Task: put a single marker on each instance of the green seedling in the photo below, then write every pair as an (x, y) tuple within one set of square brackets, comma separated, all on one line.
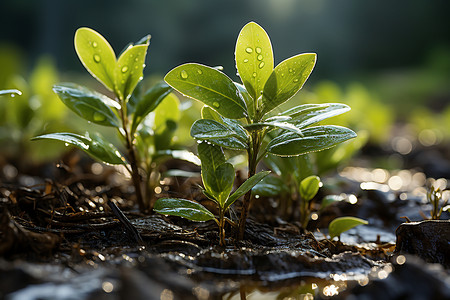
[(308, 190), (239, 116), (342, 224), (218, 178), (127, 111), (434, 197)]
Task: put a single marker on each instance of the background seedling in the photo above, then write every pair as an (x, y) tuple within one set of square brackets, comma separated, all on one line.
[(241, 115), (218, 178), (146, 141), (342, 224)]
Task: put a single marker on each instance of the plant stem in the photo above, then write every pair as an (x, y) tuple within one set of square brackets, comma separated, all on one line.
[(132, 159), (252, 162), (221, 227)]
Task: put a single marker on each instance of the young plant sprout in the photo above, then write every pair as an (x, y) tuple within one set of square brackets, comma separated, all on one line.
[(434, 197), (241, 115), (342, 224), (218, 178), (127, 112)]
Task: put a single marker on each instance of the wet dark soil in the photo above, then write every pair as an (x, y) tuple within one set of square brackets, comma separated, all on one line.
[(75, 233)]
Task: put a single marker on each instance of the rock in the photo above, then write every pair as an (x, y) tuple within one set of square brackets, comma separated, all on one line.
[(430, 240)]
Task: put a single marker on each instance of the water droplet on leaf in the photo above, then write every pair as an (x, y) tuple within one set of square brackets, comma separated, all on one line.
[(245, 60), (124, 69), (290, 70), (66, 144), (94, 44), (296, 80), (184, 74), (254, 74), (97, 58), (260, 57), (249, 50), (258, 50), (200, 72), (261, 65), (216, 104)]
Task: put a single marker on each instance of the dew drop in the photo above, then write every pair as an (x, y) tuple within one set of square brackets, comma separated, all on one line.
[(249, 50), (261, 65), (245, 60), (66, 144), (184, 74), (200, 72), (282, 74), (94, 44), (136, 59), (296, 80), (258, 50), (260, 57), (216, 104), (290, 70), (97, 58), (124, 69), (254, 74), (13, 95)]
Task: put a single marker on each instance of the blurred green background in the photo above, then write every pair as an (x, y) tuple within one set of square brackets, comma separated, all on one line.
[(389, 60)]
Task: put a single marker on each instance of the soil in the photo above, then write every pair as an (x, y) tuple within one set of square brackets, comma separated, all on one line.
[(73, 231)]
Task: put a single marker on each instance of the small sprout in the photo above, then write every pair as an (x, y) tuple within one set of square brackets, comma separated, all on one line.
[(434, 197), (342, 224), (308, 189)]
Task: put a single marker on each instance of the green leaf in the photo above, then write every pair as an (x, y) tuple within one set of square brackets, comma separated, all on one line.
[(286, 80), (206, 129), (149, 101), (339, 225), (308, 114), (209, 86), (219, 182), (167, 110), (309, 187), (234, 125), (129, 70), (96, 146), (248, 100), (180, 154), (183, 208), (254, 58), (88, 104), (211, 156), (314, 139), (271, 186), (96, 55), (245, 187), (229, 143), (273, 125)]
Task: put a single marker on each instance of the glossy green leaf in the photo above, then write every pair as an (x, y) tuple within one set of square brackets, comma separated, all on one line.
[(96, 146), (342, 224), (248, 100), (234, 125), (211, 156), (309, 187), (274, 125), (211, 114), (88, 104), (183, 208), (219, 182), (271, 186), (209, 86), (254, 58), (308, 114), (96, 55), (245, 187), (148, 102), (286, 80), (229, 143), (314, 139), (206, 129), (129, 70)]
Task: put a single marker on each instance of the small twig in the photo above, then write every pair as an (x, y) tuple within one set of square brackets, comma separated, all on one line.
[(124, 220)]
